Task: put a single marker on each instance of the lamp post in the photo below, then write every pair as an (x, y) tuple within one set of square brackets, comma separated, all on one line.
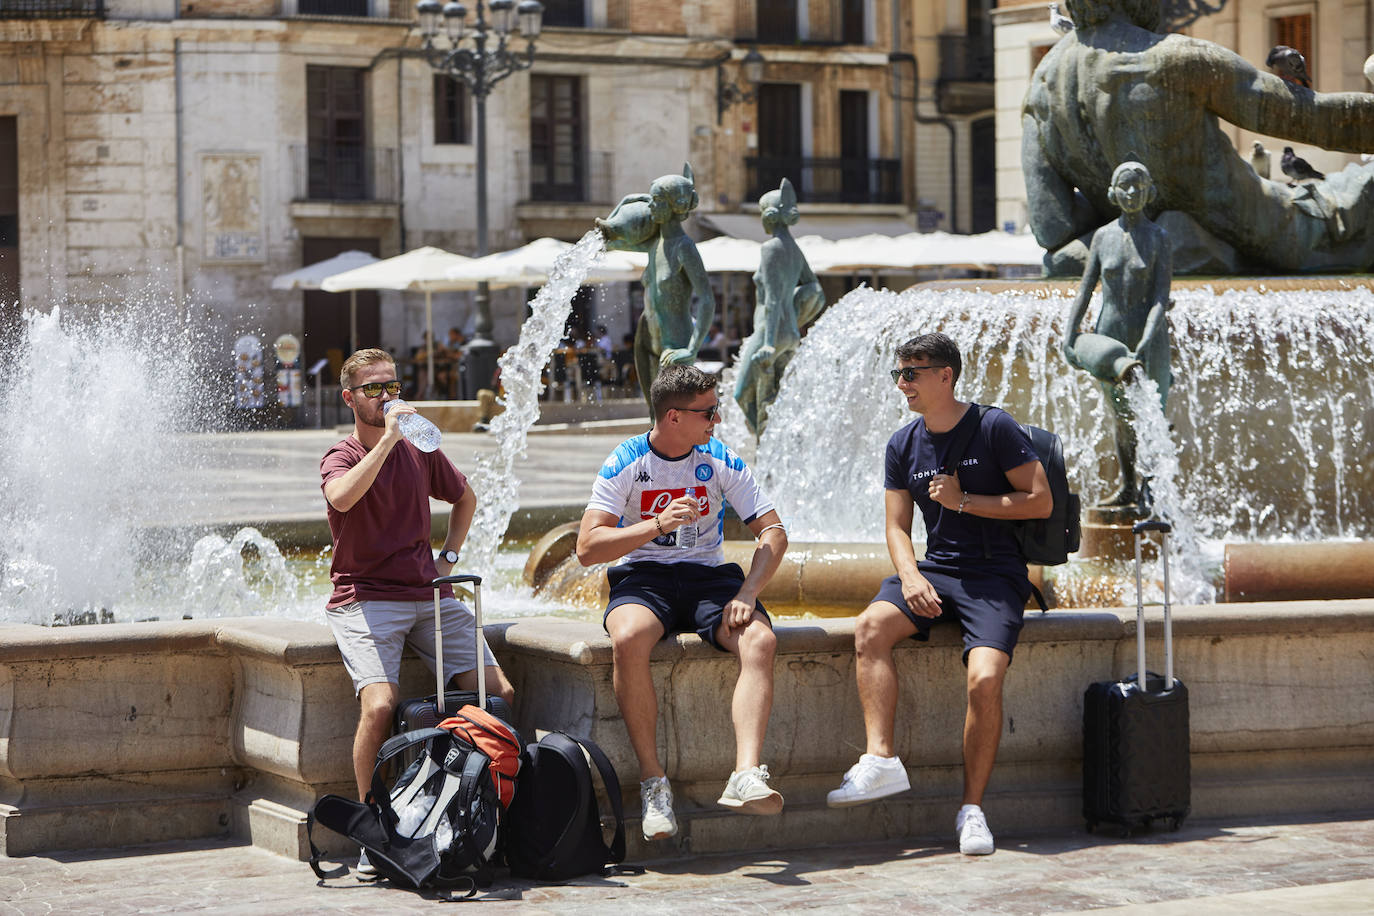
[(480, 69), (727, 93)]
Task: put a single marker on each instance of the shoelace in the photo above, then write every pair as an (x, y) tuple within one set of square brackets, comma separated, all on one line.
[(658, 797)]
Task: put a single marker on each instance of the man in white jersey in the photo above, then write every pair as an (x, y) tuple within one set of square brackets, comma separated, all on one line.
[(651, 489)]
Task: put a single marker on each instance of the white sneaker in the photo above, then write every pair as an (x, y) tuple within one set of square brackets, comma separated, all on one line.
[(365, 868), (656, 806), (868, 780), (975, 839), (747, 792)]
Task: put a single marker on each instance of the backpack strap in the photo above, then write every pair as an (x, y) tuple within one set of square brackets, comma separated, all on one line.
[(316, 854), (469, 787), (612, 784), (954, 458), (378, 794)]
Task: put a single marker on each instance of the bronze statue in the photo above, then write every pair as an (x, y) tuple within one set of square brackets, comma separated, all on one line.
[(678, 302), (789, 298), (1133, 259), (1115, 88)]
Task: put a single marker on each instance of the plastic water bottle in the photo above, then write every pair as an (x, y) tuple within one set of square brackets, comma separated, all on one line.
[(421, 433), (687, 533)]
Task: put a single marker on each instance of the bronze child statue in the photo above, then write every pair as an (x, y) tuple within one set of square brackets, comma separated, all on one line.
[(789, 298), (1134, 261), (678, 302)]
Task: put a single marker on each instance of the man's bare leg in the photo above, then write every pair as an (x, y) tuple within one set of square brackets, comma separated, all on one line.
[(634, 631), (377, 704), (987, 669), (879, 628), (497, 685), (755, 645)]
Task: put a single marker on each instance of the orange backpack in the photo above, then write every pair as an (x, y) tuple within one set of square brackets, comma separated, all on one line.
[(495, 739)]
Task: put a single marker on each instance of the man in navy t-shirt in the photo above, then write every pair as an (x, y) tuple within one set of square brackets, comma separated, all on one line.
[(973, 573)]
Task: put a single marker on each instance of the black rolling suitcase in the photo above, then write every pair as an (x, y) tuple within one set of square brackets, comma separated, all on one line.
[(1135, 742), (428, 712)]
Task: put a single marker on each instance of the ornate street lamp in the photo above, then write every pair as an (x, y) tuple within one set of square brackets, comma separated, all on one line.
[(727, 93), (479, 69)]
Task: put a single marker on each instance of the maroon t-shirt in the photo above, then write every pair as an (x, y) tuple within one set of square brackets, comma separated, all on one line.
[(381, 545)]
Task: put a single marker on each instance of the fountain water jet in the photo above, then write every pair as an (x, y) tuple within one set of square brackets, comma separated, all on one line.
[(1271, 397), (86, 467), (494, 478)]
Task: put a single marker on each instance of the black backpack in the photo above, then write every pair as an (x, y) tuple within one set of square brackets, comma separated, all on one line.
[(436, 828), (553, 828), (1043, 541)]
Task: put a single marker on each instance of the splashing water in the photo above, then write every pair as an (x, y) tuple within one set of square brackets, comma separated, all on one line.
[(85, 468), (1269, 406), (1157, 460), (227, 577), (521, 367)]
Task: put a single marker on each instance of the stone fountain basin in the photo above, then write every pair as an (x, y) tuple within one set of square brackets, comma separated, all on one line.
[(839, 579), (141, 732)]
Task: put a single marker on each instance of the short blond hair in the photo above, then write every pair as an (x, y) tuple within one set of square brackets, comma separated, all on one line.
[(359, 360)]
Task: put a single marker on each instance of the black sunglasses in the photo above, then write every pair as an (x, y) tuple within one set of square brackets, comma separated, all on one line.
[(375, 389), (709, 413), (908, 373)]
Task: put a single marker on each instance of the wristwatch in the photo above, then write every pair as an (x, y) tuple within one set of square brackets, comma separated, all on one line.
[(450, 556)]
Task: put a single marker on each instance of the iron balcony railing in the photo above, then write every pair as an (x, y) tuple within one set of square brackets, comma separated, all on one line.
[(343, 171), (586, 182), (52, 9), (331, 7), (828, 181)]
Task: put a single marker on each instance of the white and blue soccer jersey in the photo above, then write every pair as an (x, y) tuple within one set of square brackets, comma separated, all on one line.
[(637, 483)]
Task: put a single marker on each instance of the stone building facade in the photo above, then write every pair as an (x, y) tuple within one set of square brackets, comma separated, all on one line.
[(177, 155)]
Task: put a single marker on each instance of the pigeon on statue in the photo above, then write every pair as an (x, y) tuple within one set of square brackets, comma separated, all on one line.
[(1058, 21), (1289, 64), (1259, 160), (1297, 168)]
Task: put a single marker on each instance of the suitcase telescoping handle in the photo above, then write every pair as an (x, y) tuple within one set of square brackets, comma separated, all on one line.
[(481, 642), (1139, 529)]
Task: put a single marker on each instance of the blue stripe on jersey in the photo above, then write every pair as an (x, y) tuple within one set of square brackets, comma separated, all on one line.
[(625, 454), (716, 449)]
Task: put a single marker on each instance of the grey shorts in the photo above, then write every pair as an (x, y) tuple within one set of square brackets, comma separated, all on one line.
[(372, 634)]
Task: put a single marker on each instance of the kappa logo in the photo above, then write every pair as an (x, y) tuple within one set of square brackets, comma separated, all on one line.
[(643, 477)]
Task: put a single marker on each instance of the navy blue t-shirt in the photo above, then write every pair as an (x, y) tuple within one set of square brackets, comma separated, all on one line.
[(914, 455)]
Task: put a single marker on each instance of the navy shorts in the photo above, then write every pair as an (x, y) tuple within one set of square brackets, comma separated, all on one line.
[(685, 597), (988, 608)]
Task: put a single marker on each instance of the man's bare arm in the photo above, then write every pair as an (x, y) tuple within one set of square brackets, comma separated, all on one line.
[(1030, 496)]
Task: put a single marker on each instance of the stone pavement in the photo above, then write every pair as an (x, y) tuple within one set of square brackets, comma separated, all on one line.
[(1258, 867), (254, 477)]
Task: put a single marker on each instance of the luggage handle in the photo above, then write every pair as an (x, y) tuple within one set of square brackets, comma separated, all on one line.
[(1139, 529), (481, 643)]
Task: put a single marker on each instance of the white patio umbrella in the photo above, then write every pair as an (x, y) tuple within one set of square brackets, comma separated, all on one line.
[(313, 275), (935, 249), (420, 270), (530, 265)]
